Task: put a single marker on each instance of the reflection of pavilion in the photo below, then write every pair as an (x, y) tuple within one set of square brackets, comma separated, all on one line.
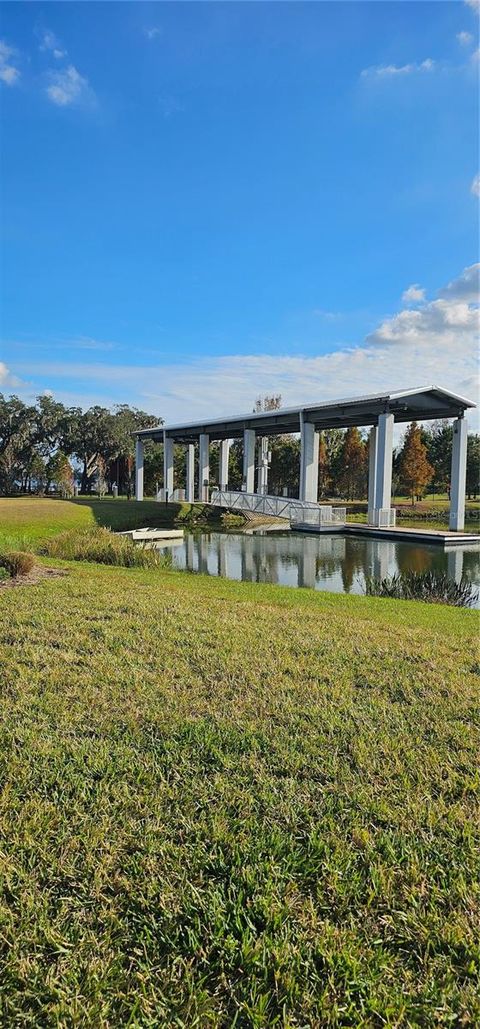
[(319, 561), (455, 563)]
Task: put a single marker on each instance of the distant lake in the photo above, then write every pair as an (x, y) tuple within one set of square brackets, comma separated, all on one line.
[(339, 564)]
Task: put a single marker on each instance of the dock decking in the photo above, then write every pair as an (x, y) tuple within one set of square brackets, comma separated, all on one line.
[(445, 538)]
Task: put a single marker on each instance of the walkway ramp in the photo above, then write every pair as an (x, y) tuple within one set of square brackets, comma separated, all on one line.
[(292, 510)]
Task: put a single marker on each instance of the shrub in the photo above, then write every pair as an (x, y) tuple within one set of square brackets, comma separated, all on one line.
[(17, 562), (232, 520), (104, 547), (432, 587)]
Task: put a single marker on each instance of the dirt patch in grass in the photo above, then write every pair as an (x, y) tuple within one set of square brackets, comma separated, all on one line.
[(37, 573)]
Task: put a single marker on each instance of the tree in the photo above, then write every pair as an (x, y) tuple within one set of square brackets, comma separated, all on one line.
[(60, 472), (93, 437), (334, 441), (285, 467), (323, 469), (473, 465), (120, 454), (268, 402), (17, 440), (415, 469), (352, 473), (438, 438)]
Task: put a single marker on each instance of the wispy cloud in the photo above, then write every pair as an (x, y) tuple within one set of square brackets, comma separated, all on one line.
[(7, 380), (50, 42), (413, 347), (153, 32), (465, 38), (68, 87), (386, 71), (169, 105), (329, 316), (474, 4), (9, 73), (475, 187), (413, 295)]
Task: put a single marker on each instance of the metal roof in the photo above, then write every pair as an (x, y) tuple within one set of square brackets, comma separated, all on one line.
[(421, 404)]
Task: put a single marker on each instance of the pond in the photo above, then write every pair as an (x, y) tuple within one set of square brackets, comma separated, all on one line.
[(336, 563)]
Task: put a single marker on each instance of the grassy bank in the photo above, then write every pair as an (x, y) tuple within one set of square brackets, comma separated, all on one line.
[(235, 805), (30, 520)]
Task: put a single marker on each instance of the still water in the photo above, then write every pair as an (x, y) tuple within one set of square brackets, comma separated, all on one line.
[(339, 564)]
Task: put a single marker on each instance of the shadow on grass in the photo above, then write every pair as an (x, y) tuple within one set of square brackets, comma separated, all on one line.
[(131, 514)]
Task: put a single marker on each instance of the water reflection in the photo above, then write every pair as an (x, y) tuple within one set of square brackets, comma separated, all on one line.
[(337, 563)]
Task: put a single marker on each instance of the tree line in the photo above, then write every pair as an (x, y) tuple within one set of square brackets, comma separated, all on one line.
[(47, 446)]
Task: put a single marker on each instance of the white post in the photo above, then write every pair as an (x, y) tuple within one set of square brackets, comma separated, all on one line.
[(383, 478), (204, 466), (458, 477), (223, 463), (139, 469), (262, 481), (167, 466), (190, 476), (372, 471), (249, 460), (309, 442)]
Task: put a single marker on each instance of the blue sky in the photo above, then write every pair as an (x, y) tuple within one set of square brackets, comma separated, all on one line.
[(204, 201)]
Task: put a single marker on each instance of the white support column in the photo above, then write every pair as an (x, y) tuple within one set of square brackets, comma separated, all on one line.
[(458, 476), (262, 481), (309, 441), (223, 463), (249, 460), (139, 469), (372, 472), (204, 466), (383, 478), (167, 466), (190, 476)]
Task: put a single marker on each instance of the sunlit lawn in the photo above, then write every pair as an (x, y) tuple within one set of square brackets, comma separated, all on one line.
[(227, 804)]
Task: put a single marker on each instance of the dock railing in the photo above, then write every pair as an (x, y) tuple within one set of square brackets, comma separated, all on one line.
[(323, 517), (279, 507)]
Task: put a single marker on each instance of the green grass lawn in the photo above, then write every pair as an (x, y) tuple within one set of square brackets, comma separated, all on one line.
[(27, 521), (233, 805)]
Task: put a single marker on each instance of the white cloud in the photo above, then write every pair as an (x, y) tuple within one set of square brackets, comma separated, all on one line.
[(385, 71), (436, 344), (51, 43), (6, 377), (465, 38), (9, 73), (466, 287), (413, 295), (153, 32), (475, 187), (67, 87), (474, 4)]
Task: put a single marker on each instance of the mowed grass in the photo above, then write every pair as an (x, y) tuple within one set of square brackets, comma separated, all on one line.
[(233, 805), (30, 520)]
